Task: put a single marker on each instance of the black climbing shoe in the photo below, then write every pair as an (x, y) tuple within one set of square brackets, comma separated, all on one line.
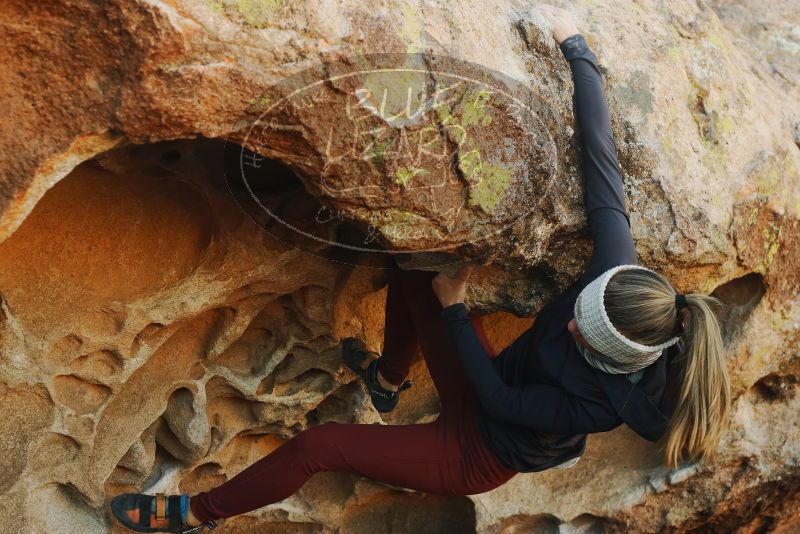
[(353, 354)]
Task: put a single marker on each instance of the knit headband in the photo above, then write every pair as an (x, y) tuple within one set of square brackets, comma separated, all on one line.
[(615, 350)]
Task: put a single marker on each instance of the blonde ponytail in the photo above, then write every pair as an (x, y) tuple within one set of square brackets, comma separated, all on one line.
[(641, 305), (703, 401)]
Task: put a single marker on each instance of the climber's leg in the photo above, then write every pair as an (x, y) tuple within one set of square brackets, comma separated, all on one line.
[(413, 319), (438, 349), (447, 456), (399, 337), (426, 457)]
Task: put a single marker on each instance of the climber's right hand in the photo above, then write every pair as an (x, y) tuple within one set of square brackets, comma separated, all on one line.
[(560, 20)]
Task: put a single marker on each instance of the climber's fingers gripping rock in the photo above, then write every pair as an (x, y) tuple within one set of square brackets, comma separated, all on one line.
[(451, 290), (560, 20)]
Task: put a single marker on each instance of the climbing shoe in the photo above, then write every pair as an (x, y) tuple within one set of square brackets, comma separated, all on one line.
[(168, 512), (353, 354)]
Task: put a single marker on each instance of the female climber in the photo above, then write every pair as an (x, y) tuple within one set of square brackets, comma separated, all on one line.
[(598, 355)]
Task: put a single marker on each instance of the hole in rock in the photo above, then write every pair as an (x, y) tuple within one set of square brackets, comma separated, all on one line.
[(740, 297), (275, 196), (776, 388), (119, 227), (126, 477), (54, 449), (98, 365), (65, 349), (226, 406), (267, 385), (137, 463), (249, 354), (163, 462), (295, 322), (79, 395), (338, 407), (158, 171), (297, 362), (170, 156), (198, 371), (312, 380)]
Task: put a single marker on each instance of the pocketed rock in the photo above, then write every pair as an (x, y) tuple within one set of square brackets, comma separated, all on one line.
[(158, 326)]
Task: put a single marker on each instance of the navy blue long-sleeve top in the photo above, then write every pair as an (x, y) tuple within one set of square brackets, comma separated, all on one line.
[(538, 399)]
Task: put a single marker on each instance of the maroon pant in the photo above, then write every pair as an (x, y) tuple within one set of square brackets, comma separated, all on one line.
[(445, 456)]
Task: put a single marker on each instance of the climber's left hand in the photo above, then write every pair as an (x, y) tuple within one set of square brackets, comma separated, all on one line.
[(451, 290), (561, 23)]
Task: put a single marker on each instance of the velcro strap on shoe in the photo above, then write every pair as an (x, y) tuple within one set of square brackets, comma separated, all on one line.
[(174, 507), (145, 509), (161, 506)]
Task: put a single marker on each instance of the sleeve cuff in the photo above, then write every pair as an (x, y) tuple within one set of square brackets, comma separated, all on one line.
[(575, 46), (458, 310)]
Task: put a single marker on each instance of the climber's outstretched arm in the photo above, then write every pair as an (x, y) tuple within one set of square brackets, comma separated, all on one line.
[(609, 222)]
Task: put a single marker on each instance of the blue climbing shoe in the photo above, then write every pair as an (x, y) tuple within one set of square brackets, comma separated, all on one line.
[(156, 509)]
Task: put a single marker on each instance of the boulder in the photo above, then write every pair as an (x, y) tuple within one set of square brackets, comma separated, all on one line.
[(198, 200)]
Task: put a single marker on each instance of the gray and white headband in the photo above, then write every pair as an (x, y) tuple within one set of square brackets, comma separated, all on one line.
[(616, 352)]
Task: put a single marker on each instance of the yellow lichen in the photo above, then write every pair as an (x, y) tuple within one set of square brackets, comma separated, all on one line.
[(773, 248), (725, 124), (475, 109), (717, 41), (469, 161), (257, 13), (263, 100), (674, 53), (753, 216), (493, 182), (403, 175), (771, 234)]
